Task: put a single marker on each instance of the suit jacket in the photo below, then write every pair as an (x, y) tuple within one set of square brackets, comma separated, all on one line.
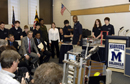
[(24, 46), (15, 44), (42, 43)]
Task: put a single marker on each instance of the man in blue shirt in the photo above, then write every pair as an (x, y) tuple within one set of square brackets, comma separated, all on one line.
[(77, 32)]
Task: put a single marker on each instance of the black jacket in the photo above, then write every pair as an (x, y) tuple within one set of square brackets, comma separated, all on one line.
[(15, 44), (42, 43)]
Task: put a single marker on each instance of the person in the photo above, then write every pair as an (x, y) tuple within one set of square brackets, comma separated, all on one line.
[(20, 70), (2, 43), (43, 51), (12, 42), (107, 27), (67, 34), (97, 29), (9, 62), (24, 33), (54, 39), (48, 73), (3, 31), (43, 28), (27, 47), (16, 31), (77, 32), (37, 30)]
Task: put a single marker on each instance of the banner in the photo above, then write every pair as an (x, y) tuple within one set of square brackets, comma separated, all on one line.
[(116, 55)]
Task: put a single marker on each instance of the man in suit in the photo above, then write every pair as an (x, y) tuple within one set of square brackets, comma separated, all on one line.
[(43, 51), (12, 42), (27, 47)]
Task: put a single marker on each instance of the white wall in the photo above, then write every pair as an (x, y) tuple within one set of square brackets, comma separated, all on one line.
[(87, 21), (24, 15)]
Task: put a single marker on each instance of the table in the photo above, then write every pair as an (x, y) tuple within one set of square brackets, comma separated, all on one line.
[(63, 50)]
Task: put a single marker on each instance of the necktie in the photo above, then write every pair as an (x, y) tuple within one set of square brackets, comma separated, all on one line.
[(29, 50)]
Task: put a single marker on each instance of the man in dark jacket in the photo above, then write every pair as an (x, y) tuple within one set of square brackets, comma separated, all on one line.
[(42, 51), (12, 42)]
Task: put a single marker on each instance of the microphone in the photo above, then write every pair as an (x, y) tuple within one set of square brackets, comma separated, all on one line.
[(120, 30)]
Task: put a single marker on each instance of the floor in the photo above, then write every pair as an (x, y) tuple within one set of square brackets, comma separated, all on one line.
[(117, 78)]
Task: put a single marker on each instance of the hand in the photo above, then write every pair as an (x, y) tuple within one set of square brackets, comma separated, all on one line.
[(71, 36), (6, 38), (23, 81), (69, 29), (78, 43), (27, 57), (49, 44), (42, 50), (27, 75), (38, 55)]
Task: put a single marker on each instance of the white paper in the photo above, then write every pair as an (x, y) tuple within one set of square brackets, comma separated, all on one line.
[(41, 46)]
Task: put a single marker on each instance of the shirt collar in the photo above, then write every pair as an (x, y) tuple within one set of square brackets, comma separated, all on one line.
[(2, 30), (16, 28), (8, 73)]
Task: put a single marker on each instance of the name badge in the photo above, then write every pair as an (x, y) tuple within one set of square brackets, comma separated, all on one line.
[(5, 33), (18, 31)]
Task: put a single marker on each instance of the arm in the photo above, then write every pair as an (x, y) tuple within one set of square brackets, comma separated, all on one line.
[(58, 36), (21, 35), (113, 32), (34, 46), (49, 36), (23, 47), (93, 35)]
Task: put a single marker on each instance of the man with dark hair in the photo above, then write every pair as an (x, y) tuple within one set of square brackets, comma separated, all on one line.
[(107, 27), (3, 31), (43, 28), (27, 47), (24, 33), (77, 32), (66, 34), (48, 73), (37, 30), (16, 31), (12, 42), (43, 51), (9, 62)]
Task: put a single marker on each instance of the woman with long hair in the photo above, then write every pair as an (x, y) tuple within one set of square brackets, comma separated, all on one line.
[(97, 29), (54, 39)]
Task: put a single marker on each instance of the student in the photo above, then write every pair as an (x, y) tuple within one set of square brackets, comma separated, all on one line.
[(37, 30), (66, 33), (108, 27), (54, 39), (97, 29), (16, 31), (3, 31), (25, 31)]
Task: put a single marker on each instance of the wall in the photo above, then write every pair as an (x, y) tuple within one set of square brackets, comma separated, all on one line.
[(87, 21), (24, 15)]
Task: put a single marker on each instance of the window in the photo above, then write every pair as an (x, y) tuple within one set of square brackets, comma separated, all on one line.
[(16, 5), (33, 6)]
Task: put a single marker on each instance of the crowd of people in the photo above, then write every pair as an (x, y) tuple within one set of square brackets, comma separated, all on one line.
[(17, 61)]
